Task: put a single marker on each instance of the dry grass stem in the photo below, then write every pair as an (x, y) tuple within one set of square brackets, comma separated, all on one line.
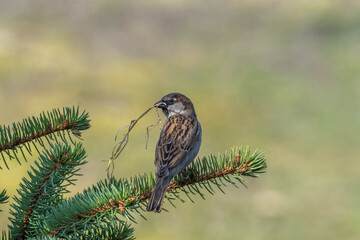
[(119, 147)]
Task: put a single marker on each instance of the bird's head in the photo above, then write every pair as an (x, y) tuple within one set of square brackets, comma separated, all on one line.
[(176, 103)]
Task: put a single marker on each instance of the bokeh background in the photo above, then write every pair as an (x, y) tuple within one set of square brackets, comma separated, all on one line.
[(282, 76)]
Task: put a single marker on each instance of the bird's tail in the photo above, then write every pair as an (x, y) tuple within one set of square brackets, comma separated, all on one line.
[(158, 194)]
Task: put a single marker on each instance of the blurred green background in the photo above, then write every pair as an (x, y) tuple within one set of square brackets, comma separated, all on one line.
[(282, 76)]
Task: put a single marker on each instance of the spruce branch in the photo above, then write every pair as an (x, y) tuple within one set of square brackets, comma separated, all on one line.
[(104, 210), (127, 197), (44, 188), (117, 231), (21, 136), (3, 197)]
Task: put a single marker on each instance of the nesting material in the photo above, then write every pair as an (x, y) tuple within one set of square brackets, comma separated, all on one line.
[(119, 147)]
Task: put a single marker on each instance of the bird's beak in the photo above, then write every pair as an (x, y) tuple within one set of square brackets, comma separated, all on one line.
[(160, 104)]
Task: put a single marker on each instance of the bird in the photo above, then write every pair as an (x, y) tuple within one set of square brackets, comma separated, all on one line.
[(178, 144)]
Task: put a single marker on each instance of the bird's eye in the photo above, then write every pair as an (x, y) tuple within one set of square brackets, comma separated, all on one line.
[(170, 101)]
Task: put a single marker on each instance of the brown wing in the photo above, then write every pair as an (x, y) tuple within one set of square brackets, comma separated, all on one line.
[(178, 136)]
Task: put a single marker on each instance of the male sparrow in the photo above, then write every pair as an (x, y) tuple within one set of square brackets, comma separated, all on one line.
[(178, 145)]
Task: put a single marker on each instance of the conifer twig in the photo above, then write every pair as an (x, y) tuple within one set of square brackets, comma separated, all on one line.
[(50, 125), (104, 210), (3, 197), (126, 197), (44, 188)]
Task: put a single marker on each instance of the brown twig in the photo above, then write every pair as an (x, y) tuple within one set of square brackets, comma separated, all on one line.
[(149, 128), (119, 147)]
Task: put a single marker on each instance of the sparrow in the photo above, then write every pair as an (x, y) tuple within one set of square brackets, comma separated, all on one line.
[(178, 145)]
